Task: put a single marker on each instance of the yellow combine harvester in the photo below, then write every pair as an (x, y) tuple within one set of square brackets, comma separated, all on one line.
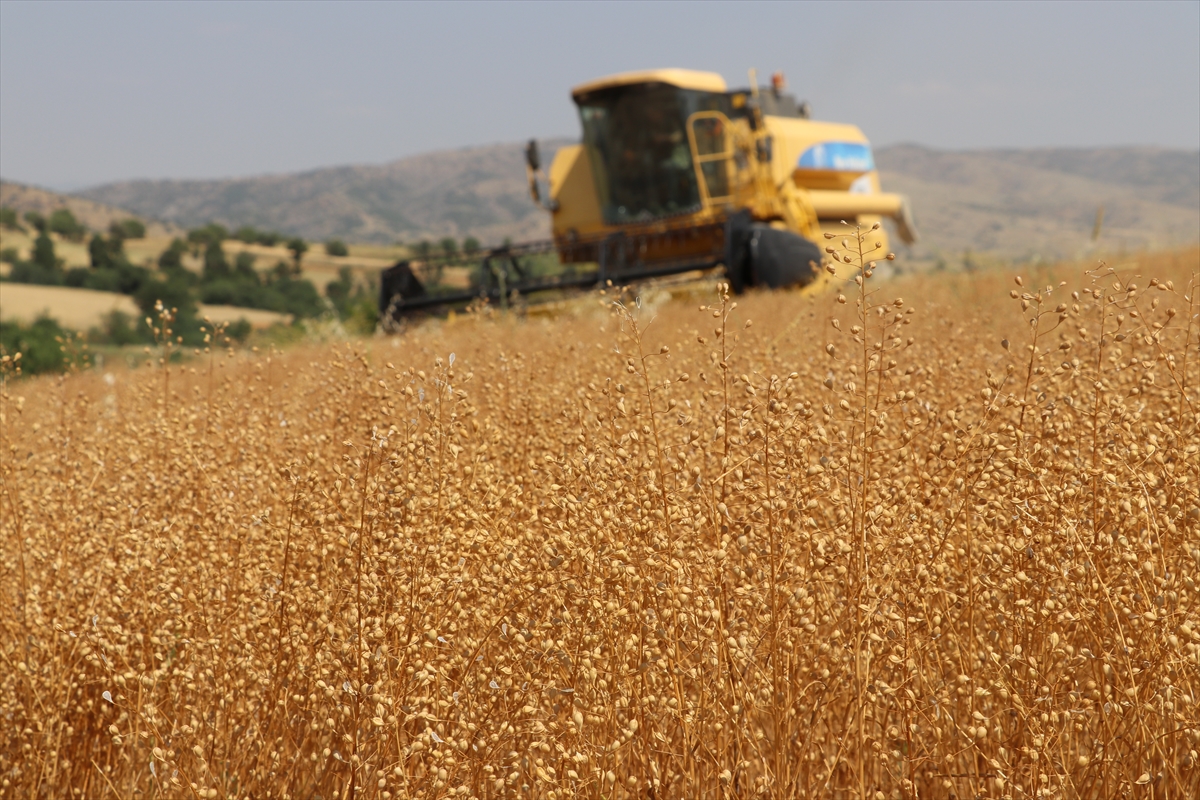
[(675, 173)]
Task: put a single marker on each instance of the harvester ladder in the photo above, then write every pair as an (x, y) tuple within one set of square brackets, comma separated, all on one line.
[(721, 126)]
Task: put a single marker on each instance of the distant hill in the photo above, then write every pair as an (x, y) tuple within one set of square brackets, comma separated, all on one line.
[(1013, 204), (478, 191), (1031, 204), (96, 215)]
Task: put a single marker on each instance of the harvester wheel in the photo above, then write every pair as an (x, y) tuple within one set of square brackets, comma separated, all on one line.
[(758, 255)]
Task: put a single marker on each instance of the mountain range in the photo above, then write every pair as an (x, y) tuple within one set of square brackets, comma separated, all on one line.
[(1011, 204)]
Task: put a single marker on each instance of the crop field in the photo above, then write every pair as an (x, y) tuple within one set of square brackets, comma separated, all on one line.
[(84, 308), (930, 537)]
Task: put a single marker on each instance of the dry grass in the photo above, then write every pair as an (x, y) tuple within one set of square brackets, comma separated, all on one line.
[(858, 549)]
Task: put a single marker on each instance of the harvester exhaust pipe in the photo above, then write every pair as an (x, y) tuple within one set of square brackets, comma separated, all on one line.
[(533, 169)]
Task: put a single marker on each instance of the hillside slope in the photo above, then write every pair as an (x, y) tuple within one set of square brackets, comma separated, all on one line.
[(479, 191), (96, 214), (1042, 204), (1006, 203)]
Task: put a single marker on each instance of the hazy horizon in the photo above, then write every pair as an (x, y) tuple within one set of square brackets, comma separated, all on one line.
[(92, 93)]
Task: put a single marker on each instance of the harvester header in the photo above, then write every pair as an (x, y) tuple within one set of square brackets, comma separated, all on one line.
[(674, 172)]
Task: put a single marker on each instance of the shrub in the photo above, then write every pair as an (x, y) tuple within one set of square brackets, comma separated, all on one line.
[(247, 234), (219, 292), (336, 247), (356, 303), (34, 273), (338, 291), (112, 280), (76, 277), (234, 292), (300, 298), (240, 330), (269, 238), (9, 255), (118, 328), (41, 345)]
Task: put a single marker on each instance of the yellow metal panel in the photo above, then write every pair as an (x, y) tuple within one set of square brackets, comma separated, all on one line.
[(842, 205), (865, 209), (683, 78), (572, 187), (793, 136)]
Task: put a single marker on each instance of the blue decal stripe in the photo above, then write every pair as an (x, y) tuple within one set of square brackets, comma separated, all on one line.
[(839, 156)]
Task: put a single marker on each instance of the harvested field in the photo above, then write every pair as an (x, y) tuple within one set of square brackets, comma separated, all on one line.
[(893, 542), (74, 308), (82, 309)]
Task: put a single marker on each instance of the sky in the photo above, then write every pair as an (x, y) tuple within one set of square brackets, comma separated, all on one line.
[(96, 91)]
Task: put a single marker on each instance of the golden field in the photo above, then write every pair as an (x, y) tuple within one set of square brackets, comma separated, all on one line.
[(891, 541), (86, 308)]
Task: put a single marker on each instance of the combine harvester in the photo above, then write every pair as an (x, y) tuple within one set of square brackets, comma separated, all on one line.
[(676, 173)]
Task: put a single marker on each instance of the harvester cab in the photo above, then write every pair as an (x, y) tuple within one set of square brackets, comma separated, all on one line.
[(674, 173)]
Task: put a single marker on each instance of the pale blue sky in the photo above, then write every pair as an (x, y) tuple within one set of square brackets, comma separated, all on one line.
[(98, 91)]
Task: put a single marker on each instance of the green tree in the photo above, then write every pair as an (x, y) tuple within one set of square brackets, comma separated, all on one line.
[(212, 232), (336, 247), (423, 250), (40, 345), (268, 238), (215, 266), (128, 228), (173, 293), (247, 234), (106, 253), (243, 268), (172, 258), (449, 247), (63, 222), (470, 245), (338, 291), (300, 298), (43, 252), (36, 221), (98, 253), (43, 266), (298, 248), (8, 219)]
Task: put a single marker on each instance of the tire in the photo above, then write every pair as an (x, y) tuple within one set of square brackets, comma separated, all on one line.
[(758, 255), (780, 259)]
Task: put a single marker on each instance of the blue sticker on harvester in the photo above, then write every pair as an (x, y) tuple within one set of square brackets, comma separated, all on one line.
[(840, 156)]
